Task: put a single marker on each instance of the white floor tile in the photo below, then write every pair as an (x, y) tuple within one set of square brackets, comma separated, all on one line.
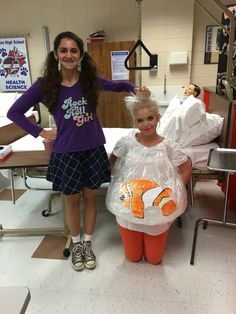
[(117, 285)]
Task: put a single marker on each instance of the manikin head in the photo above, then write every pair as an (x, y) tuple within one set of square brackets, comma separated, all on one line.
[(192, 89)]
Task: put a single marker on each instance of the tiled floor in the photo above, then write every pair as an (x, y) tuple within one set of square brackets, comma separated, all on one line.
[(117, 285)]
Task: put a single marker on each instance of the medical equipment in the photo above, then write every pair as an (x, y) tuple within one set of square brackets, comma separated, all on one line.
[(220, 159)]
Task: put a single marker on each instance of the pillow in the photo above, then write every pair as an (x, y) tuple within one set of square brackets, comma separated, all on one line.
[(6, 101), (210, 131), (192, 111)]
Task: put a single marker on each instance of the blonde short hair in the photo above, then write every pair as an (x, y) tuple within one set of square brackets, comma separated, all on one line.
[(136, 102)]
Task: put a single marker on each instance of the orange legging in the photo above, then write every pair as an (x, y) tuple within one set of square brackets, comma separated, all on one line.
[(138, 244)]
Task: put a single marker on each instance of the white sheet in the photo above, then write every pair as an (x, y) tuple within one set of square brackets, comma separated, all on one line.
[(6, 101), (28, 143), (5, 121), (188, 124), (198, 154), (112, 135)]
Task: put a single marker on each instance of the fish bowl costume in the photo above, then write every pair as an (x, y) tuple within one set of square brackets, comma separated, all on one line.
[(146, 192)]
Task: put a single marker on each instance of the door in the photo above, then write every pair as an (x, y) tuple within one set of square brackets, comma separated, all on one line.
[(111, 110)]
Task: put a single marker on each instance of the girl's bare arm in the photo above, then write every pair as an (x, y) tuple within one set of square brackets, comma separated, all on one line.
[(112, 160), (185, 171)]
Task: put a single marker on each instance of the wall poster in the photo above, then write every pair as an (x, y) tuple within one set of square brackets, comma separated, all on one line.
[(118, 69), (14, 65), (212, 44)]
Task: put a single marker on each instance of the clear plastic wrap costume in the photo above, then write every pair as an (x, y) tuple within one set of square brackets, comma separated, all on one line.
[(146, 188)]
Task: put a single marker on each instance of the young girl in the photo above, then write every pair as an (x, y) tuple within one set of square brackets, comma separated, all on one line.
[(70, 88), (147, 192)]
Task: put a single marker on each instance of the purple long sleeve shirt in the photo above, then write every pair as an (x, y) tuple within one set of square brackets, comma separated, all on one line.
[(78, 128)]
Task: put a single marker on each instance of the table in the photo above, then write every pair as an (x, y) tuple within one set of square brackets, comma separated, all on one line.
[(221, 159), (14, 300), (23, 160), (29, 159)]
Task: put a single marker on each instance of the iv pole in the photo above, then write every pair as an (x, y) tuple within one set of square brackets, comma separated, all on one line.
[(140, 45), (139, 37)]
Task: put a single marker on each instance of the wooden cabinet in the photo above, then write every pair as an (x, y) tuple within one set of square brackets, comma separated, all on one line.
[(111, 110)]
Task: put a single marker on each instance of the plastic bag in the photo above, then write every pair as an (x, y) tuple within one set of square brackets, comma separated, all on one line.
[(146, 187)]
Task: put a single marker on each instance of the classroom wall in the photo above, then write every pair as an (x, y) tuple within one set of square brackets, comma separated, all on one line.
[(203, 74), (27, 18), (166, 26)]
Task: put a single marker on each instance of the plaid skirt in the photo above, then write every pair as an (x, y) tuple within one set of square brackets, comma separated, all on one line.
[(71, 172)]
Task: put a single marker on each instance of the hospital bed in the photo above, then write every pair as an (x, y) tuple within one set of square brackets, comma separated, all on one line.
[(199, 154), (197, 131)]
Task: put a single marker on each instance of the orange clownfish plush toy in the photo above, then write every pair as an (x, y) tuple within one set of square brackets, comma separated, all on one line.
[(137, 194)]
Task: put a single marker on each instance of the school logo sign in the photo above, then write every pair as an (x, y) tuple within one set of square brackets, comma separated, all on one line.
[(14, 67)]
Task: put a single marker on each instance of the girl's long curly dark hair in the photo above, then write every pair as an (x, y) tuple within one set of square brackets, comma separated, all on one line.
[(51, 78)]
